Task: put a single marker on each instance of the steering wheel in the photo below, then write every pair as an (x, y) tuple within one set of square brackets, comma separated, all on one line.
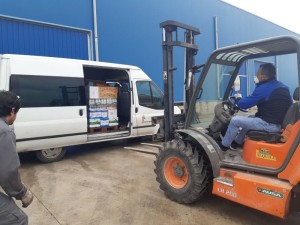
[(234, 106)]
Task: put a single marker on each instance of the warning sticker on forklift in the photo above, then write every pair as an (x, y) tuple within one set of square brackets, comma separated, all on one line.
[(269, 192), (165, 76), (264, 154)]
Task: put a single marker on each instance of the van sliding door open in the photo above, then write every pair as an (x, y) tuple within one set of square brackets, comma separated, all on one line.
[(109, 103)]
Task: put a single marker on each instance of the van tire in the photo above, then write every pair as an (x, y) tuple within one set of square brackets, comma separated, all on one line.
[(51, 154)]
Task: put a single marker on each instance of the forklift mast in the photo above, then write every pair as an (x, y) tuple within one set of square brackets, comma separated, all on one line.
[(170, 32)]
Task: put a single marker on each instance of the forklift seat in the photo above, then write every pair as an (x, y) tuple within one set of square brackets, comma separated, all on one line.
[(291, 117)]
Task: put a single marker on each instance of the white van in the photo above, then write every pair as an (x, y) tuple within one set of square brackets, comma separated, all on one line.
[(68, 102)]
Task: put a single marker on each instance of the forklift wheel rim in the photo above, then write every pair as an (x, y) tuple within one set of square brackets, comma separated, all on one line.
[(169, 171)]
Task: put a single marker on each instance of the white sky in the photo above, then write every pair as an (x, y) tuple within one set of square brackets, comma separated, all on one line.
[(282, 12)]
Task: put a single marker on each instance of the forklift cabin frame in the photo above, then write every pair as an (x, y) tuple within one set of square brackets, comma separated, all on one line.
[(235, 56)]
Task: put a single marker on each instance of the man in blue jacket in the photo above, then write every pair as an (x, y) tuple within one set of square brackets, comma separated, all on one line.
[(272, 99), (10, 179)]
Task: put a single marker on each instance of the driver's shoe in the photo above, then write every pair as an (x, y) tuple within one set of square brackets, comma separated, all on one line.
[(234, 146), (222, 147)]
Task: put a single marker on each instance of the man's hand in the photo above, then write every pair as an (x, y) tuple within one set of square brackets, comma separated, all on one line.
[(27, 199), (238, 95)]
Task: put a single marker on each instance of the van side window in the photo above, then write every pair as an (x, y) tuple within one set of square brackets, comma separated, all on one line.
[(149, 95), (48, 91)]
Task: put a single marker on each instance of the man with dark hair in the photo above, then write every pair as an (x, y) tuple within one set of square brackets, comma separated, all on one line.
[(272, 99), (10, 180)]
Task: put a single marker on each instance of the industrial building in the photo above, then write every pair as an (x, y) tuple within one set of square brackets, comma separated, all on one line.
[(128, 32)]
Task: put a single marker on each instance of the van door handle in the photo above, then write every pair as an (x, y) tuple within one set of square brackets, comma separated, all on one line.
[(136, 109), (80, 112)]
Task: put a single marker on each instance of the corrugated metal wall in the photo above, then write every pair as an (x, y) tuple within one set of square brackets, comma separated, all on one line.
[(33, 38), (126, 39)]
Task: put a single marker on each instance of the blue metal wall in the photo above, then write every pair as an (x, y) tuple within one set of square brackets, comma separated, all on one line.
[(73, 13), (38, 39), (23, 37), (129, 30)]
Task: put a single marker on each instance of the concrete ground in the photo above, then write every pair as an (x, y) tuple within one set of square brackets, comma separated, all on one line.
[(107, 184)]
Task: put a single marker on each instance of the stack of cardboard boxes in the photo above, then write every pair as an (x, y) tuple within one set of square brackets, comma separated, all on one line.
[(102, 105)]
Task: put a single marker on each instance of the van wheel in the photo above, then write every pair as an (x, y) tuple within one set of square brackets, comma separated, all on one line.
[(183, 171), (51, 154)]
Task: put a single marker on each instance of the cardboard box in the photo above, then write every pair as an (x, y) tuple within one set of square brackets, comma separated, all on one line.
[(112, 113), (113, 123), (104, 113), (95, 113), (108, 92), (94, 92), (104, 122), (94, 122)]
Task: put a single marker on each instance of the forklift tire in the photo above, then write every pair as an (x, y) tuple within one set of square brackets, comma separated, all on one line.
[(51, 154), (183, 171)]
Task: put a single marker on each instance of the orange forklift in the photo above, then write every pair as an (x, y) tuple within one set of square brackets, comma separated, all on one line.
[(265, 173)]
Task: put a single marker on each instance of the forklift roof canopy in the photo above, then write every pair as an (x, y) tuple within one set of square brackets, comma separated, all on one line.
[(233, 55)]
